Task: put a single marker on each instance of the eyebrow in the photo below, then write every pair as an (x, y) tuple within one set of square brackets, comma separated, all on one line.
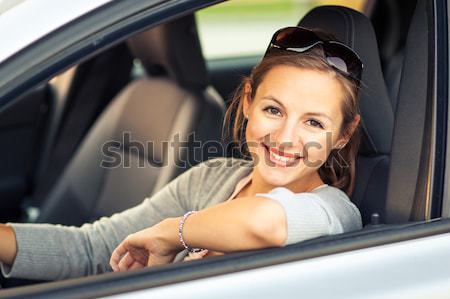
[(320, 114), (270, 97)]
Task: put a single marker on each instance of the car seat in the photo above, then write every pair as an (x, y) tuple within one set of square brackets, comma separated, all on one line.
[(164, 108), (372, 165), (410, 185)]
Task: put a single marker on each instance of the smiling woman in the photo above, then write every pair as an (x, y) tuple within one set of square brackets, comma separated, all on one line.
[(275, 198), (295, 112)]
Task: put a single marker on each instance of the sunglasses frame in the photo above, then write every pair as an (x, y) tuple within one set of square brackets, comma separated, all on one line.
[(356, 76)]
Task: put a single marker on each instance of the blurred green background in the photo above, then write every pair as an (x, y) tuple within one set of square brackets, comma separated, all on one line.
[(244, 27)]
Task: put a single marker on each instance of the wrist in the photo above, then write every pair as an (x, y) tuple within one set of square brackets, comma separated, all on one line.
[(181, 234), (168, 235)]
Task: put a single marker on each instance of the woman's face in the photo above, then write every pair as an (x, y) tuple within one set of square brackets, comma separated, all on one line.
[(294, 122)]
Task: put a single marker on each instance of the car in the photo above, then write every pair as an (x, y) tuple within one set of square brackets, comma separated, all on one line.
[(94, 94)]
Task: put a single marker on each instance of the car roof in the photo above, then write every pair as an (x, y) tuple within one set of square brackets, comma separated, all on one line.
[(23, 22)]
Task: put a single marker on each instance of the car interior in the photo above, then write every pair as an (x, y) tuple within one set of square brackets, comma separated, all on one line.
[(157, 86)]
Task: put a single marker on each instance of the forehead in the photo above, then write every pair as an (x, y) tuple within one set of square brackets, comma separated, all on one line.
[(302, 89)]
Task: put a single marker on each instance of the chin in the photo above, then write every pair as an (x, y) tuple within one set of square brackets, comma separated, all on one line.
[(277, 176), (273, 173)]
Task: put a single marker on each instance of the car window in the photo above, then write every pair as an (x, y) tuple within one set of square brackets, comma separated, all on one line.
[(243, 27)]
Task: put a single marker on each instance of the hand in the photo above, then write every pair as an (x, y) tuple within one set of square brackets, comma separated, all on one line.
[(150, 247)]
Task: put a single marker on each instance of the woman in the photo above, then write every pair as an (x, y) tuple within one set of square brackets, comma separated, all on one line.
[(292, 105), (295, 116)]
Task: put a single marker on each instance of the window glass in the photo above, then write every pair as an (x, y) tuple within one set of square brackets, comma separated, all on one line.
[(244, 27)]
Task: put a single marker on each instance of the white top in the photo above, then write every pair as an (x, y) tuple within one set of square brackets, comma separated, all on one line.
[(322, 203)]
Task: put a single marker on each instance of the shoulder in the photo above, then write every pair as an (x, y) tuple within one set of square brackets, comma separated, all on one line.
[(212, 181), (221, 167), (338, 203), (217, 166), (224, 163), (333, 196), (327, 202)]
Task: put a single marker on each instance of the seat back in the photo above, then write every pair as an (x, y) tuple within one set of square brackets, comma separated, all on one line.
[(377, 117), (144, 137), (409, 184)]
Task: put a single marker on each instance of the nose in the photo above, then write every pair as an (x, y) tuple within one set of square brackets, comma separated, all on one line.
[(287, 135)]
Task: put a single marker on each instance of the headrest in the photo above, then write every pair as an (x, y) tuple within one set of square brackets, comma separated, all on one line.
[(355, 30), (172, 49)]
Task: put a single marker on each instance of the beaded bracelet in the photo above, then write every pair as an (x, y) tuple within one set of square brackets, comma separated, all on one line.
[(180, 233)]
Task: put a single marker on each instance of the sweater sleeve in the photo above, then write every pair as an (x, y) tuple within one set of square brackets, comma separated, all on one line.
[(308, 215), (52, 252)]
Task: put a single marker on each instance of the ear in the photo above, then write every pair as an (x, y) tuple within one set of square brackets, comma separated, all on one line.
[(342, 142), (247, 99)]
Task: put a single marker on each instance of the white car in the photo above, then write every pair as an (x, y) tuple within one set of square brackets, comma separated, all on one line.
[(66, 67)]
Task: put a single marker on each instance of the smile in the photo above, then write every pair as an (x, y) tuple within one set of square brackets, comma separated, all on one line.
[(280, 158)]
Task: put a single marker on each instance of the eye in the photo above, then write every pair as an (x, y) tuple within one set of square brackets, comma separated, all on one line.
[(315, 123), (273, 110)]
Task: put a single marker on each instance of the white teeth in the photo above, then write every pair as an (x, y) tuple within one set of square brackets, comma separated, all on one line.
[(281, 158)]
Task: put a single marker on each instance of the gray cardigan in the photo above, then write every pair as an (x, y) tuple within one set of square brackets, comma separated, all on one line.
[(52, 252)]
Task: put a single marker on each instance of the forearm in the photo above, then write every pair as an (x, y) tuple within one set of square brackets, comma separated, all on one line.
[(49, 252), (8, 247), (243, 224)]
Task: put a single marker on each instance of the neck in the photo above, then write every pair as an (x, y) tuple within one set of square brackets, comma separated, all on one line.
[(259, 185)]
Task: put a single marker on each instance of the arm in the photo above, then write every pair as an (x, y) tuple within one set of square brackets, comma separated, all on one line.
[(243, 224), (278, 218), (8, 247), (53, 252)]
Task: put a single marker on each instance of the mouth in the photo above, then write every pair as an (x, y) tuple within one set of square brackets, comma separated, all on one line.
[(280, 158)]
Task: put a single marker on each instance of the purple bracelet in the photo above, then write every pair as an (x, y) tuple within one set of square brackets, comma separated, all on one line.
[(180, 233)]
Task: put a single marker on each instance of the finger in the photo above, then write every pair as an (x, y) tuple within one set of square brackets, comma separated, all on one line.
[(135, 240), (196, 255), (116, 256), (140, 255), (136, 265), (125, 263)]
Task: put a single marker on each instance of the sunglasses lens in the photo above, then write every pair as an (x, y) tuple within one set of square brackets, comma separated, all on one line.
[(294, 37), (337, 63), (343, 58)]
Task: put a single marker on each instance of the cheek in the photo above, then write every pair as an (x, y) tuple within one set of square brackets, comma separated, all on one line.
[(317, 146), (258, 127)]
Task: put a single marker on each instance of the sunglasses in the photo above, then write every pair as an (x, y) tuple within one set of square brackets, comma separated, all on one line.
[(338, 55)]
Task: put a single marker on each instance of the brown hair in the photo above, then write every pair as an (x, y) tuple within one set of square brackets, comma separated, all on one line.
[(339, 169)]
